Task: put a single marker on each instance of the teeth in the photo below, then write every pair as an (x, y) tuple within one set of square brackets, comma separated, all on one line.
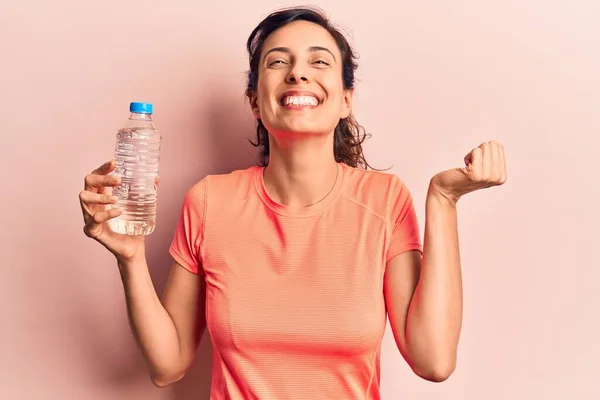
[(300, 101)]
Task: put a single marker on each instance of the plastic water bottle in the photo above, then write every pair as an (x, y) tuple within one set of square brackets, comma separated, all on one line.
[(137, 157)]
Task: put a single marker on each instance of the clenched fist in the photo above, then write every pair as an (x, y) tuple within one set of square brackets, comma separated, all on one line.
[(485, 166)]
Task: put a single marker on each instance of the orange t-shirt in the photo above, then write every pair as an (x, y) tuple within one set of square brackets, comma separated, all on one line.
[(294, 297)]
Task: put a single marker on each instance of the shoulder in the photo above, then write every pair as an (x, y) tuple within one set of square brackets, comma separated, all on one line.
[(377, 191), (222, 188), (371, 185)]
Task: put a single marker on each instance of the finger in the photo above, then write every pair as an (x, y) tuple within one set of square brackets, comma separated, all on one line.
[(491, 162), (502, 161), (487, 156), (102, 216), (97, 198), (105, 168), (94, 182), (87, 198), (93, 227), (495, 171), (157, 180)]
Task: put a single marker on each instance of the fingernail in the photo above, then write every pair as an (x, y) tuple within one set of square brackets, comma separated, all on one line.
[(113, 199)]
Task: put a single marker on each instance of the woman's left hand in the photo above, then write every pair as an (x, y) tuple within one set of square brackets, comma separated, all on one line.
[(485, 167)]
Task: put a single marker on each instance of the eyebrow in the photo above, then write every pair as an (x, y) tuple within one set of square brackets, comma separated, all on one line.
[(287, 50)]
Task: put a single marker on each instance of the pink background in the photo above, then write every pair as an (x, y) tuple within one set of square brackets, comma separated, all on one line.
[(435, 80)]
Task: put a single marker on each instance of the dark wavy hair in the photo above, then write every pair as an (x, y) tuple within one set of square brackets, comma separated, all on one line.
[(348, 135)]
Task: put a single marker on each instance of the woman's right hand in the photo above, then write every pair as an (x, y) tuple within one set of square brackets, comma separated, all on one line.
[(97, 206)]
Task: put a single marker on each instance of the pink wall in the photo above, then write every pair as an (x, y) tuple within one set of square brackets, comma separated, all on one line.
[(435, 80)]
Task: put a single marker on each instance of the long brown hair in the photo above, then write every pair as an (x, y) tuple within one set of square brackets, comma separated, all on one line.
[(349, 135)]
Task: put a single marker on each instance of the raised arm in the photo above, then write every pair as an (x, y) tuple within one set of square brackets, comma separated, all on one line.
[(424, 294), (168, 331)]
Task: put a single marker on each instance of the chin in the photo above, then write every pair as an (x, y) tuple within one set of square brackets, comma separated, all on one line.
[(303, 128), (302, 131)]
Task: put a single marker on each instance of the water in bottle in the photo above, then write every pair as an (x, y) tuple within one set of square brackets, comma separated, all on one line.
[(137, 158)]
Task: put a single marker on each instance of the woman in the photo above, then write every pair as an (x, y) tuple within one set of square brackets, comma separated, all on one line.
[(293, 264)]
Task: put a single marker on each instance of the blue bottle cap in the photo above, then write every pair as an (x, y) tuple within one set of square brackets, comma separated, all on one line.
[(141, 108)]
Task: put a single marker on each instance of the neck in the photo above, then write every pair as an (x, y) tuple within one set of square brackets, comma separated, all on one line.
[(300, 172)]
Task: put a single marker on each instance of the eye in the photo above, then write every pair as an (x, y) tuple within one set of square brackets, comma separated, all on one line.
[(276, 63), (321, 63)]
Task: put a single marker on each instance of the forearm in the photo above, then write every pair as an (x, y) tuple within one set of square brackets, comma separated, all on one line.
[(435, 312), (151, 325)]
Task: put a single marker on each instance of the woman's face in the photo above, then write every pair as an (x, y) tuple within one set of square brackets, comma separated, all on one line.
[(300, 87)]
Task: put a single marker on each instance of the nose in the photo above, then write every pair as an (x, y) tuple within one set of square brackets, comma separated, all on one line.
[(296, 75)]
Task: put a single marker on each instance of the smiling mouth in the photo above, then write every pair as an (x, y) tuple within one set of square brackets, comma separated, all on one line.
[(294, 101)]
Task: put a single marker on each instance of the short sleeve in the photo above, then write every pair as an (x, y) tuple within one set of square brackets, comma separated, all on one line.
[(189, 232), (404, 227)]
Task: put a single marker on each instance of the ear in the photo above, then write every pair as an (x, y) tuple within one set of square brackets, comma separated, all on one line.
[(253, 100), (347, 106)]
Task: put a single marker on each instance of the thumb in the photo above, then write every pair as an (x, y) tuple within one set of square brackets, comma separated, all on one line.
[(94, 228), (474, 160)]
